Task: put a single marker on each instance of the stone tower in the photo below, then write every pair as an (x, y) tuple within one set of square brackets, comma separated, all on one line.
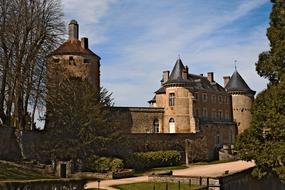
[(76, 57), (242, 99)]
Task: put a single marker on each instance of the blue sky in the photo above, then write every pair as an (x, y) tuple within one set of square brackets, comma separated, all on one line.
[(138, 39)]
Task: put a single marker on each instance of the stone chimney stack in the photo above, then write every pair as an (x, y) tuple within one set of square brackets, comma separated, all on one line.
[(73, 30), (185, 73), (84, 43), (165, 76), (211, 76), (226, 80)]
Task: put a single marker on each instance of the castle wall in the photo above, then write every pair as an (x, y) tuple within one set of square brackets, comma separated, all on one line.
[(242, 105), (9, 149), (138, 119)]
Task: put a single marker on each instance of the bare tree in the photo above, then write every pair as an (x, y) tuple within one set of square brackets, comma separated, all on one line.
[(29, 31)]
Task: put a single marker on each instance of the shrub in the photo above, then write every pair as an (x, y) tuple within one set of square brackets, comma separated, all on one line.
[(146, 160), (103, 164)]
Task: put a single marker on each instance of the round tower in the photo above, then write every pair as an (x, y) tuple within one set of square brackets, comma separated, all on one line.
[(242, 99), (76, 57)]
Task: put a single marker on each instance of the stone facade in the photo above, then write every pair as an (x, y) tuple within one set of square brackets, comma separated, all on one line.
[(242, 100), (76, 58)]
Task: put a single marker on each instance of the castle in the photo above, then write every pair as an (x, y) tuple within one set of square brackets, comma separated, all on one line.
[(184, 105)]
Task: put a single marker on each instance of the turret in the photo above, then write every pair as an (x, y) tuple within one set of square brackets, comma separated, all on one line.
[(242, 99)]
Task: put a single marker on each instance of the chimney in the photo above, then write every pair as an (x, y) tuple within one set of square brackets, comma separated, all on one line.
[(211, 76), (73, 30), (165, 76), (226, 80), (84, 43), (185, 73)]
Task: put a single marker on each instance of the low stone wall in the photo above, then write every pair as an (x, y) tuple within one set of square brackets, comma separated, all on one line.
[(237, 181), (203, 181), (56, 184)]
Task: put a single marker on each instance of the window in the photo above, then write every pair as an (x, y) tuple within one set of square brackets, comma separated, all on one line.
[(220, 99), (218, 138), (225, 99), (156, 126), (71, 61), (205, 113), (220, 115), (56, 60), (86, 61), (205, 97), (214, 114), (227, 115), (213, 99), (171, 99), (172, 126)]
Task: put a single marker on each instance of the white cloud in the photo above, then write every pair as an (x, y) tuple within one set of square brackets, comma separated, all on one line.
[(145, 38), (89, 14)]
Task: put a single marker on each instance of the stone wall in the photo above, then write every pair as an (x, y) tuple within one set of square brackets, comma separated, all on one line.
[(9, 149), (137, 119), (237, 181), (245, 181)]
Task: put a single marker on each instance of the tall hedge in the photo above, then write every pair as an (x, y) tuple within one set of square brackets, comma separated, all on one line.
[(147, 160)]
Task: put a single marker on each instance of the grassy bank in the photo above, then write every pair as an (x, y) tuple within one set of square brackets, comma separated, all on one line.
[(10, 171)]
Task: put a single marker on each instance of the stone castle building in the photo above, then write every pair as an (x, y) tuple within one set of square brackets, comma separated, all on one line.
[(185, 108), (184, 103)]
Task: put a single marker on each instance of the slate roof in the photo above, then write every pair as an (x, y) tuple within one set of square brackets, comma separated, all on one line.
[(237, 84), (73, 47), (193, 83)]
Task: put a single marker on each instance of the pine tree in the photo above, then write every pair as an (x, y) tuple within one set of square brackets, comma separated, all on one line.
[(264, 141)]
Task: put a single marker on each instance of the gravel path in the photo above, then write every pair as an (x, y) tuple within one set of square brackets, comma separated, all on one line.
[(211, 170)]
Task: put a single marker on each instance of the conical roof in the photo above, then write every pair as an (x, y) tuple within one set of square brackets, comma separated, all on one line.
[(237, 84), (177, 70), (176, 73)]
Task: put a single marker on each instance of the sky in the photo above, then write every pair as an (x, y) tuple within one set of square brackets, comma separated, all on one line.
[(137, 40)]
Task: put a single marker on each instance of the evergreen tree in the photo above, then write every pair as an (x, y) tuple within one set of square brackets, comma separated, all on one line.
[(264, 141), (79, 120)]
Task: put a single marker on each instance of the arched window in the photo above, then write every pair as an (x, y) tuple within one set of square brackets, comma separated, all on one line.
[(156, 126), (172, 126)]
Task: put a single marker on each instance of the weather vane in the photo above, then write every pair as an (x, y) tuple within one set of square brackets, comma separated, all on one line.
[(235, 64)]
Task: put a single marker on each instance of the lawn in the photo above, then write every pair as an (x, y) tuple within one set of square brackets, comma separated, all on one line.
[(9, 171), (157, 186)]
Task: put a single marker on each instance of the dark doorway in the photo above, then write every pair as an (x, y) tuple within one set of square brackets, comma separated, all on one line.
[(63, 170)]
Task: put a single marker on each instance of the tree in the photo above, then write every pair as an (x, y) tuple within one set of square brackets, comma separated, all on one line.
[(29, 31), (79, 121), (264, 141)]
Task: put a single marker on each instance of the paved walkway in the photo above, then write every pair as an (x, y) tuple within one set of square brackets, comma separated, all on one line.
[(211, 170)]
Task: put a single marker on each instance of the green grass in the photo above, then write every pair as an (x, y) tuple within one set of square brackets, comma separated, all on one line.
[(153, 170), (9, 171), (158, 186)]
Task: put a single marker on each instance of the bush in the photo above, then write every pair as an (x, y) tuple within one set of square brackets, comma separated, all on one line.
[(146, 160), (103, 164)]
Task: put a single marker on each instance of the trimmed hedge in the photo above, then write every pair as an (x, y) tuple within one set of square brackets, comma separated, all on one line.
[(147, 160), (103, 164)]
